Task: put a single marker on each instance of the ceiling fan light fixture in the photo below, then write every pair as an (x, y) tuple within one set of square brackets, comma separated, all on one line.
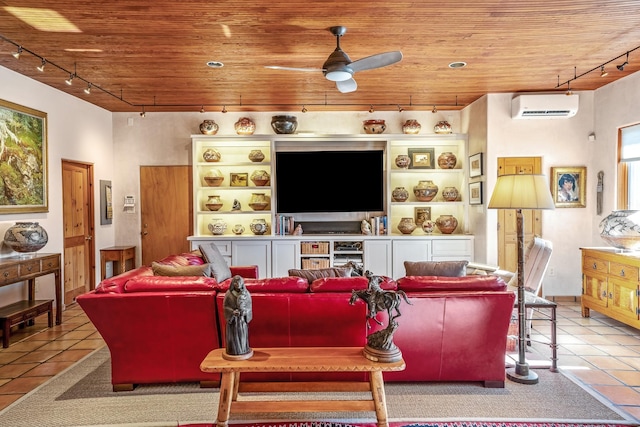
[(338, 75)]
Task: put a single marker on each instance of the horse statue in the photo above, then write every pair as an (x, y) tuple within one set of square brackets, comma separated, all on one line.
[(377, 299)]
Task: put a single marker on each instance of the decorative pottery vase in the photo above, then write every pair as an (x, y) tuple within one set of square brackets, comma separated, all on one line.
[(428, 226), (211, 155), (403, 161), (442, 127), (260, 178), (209, 127), (446, 224), (258, 201), (258, 226), (213, 178), (407, 225), (399, 194), (256, 156), (26, 237), (621, 229), (245, 126), (238, 229), (217, 226), (374, 126), (450, 194), (284, 124), (425, 191), (447, 160), (411, 127), (213, 202)]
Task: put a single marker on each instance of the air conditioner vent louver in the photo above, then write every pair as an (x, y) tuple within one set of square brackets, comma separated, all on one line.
[(544, 106)]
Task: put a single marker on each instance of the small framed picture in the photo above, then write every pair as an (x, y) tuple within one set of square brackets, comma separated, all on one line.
[(422, 158), (475, 193), (475, 165), (239, 179), (568, 187), (422, 213)]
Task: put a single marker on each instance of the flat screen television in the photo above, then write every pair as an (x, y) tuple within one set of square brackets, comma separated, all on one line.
[(329, 181)]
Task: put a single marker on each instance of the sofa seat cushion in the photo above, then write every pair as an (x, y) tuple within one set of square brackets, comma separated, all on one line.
[(115, 284), (180, 270), (170, 284), (436, 268), (289, 284), (313, 274), (348, 284), (440, 283)]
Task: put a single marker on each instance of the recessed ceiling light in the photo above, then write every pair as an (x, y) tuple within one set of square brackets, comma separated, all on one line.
[(458, 64), (215, 64)]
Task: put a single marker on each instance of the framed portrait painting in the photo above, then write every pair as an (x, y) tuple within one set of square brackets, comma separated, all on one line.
[(568, 186), (23, 159)]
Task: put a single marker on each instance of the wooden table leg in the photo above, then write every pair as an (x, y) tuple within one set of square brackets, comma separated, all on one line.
[(227, 386), (379, 398)]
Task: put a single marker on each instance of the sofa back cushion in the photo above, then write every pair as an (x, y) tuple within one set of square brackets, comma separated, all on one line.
[(313, 274), (348, 284), (436, 268), (170, 284), (180, 270), (440, 283), (289, 284), (115, 284), (186, 258)]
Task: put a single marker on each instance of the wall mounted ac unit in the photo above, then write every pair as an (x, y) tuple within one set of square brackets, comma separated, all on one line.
[(544, 106)]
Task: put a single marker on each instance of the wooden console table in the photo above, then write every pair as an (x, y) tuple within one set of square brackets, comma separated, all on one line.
[(17, 269), (300, 359), (119, 255)]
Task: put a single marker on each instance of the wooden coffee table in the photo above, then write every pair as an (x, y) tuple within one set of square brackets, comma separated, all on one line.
[(300, 359)]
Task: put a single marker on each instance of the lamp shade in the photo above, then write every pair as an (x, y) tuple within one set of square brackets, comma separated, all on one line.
[(521, 192)]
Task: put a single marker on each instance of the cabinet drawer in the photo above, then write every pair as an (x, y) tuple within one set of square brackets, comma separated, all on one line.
[(9, 274), (591, 264), (224, 246), (29, 268), (623, 271), (50, 263)]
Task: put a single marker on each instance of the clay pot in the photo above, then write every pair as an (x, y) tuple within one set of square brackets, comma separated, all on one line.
[(213, 203), (407, 225), (258, 201), (238, 229), (399, 194), (258, 226), (425, 191), (213, 178), (403, 161), (450, 194), (256, 156), (447, 160), (442, 127), (217, 227), (260, 178), (411, 127), (374, 126), (428, 226), (211, 155), (26, 237), (621, 229), (446, 224), (284, 124), (208, 127), (245, 126)]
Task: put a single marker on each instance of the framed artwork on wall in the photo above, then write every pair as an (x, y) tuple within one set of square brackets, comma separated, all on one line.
[(475, 165), (475, 193), (23, 159), (568, 186), (106, 203), (422, 158)]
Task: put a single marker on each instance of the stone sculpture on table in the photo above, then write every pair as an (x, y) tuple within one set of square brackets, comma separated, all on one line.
[(237, 313)]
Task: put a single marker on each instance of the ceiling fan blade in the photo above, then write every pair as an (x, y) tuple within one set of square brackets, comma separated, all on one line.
[(347, 86), (277, 67), (376, 61)]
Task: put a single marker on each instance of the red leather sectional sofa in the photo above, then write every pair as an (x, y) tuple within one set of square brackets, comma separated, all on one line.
[(158, 328)]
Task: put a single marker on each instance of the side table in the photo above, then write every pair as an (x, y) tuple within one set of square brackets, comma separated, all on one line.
[(119, 255)]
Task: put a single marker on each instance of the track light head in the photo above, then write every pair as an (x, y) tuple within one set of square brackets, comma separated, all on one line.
[(69, 81), (17, 53), (304, 109), (202, 109), (224, 109), (87, 90), (42, 65), (400, 109), (621, 66), (435, 110), (371, 110), (603, 73)]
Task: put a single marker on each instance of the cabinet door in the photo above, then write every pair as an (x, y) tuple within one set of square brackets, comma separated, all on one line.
[(409, 250), (286, 255), (623, 298), (594, 289), (377, 257), (256, 252)]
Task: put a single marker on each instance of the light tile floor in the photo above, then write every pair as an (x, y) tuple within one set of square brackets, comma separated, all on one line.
[(602, 353)]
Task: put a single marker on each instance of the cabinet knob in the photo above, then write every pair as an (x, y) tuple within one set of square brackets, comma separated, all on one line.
[(29, 268), (6, 274), (594, 266), (610, 295), (622, 272)]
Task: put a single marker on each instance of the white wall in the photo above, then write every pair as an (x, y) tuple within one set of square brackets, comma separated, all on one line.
[(77, 131)]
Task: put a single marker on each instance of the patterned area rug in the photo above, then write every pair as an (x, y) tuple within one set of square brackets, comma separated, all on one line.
[(417, 424)]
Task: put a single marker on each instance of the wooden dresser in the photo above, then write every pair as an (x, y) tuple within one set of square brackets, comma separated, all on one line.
[(610, 284)]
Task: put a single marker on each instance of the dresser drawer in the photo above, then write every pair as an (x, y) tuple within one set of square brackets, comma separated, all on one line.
[(9, 274), (50, 263), (591, 264), (27, 268), (623, 271)]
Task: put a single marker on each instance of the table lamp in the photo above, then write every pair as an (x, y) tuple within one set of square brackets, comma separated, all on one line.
[(521, 192)]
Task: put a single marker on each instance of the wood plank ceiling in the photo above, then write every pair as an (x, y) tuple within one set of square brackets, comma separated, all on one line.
[(154, 54)]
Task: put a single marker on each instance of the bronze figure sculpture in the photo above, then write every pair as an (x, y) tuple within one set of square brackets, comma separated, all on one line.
[(237, 313)]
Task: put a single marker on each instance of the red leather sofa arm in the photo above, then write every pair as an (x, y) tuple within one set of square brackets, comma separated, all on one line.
[(246, 271)]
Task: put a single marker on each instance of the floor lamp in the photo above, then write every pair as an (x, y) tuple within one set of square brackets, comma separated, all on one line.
[(521, 192)]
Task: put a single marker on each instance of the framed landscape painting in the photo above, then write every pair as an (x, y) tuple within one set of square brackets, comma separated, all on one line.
[(23, 159)]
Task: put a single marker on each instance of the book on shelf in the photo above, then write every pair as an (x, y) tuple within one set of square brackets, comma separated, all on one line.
[(378, 225), (284, 225)]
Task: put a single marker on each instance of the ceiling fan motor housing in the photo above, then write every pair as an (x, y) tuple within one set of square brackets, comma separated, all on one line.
[(336, 67)]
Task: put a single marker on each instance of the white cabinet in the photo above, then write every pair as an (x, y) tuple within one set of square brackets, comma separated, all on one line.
[(452, 249), (377, 257), (253, 252), (285, 255), (409, 250)]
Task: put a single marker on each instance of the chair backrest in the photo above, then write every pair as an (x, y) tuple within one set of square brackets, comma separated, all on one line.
[(536, 262)]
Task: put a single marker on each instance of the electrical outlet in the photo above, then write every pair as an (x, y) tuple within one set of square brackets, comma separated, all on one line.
[(551, 272)]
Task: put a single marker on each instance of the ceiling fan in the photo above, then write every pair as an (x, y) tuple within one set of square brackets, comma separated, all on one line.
[(340, 69)]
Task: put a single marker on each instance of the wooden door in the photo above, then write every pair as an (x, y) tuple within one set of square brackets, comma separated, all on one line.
[(77, 212), (507, 230), (165, 211)]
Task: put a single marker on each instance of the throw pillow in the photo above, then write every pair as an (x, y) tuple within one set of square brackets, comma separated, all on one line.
[(180, 270), (436, 268), (312, 275), (219, 268)]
